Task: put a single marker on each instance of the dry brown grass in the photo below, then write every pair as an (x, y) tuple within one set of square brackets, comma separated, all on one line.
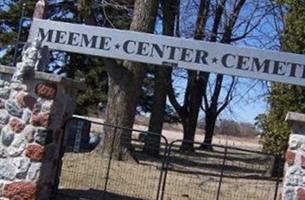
[(191, 176)]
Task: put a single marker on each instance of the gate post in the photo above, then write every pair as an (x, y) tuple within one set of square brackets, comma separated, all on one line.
[(32, 113), (294, 175)]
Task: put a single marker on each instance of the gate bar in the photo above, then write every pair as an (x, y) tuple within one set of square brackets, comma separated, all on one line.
[(221, 173)]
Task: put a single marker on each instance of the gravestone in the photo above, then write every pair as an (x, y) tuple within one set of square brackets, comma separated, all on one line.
[(33, 107), (77, 135), (294, 178)]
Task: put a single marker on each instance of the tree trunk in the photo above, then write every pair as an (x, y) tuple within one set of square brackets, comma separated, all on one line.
[(124, 87), (121, 106), (197, 82), (215, 108), (152, 141), (210, 122), (162, 74), (188, 134), (125, 82), (192, 106)]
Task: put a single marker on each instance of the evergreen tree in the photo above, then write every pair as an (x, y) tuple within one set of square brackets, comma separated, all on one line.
[(77, 66), (10, 13), (284, 97)]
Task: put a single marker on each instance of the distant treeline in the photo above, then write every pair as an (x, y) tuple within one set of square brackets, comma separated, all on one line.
[(234, 128)]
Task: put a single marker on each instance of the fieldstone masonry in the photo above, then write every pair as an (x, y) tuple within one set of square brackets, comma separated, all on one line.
[(31, 115), (294, 179)]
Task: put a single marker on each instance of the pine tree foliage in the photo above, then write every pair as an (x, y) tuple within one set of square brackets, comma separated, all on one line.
[(89, 69), (10, 13), (284, 97)]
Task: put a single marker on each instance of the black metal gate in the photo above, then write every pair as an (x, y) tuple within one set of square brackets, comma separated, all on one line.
[(214, 172), (218, 172), (88, 174)]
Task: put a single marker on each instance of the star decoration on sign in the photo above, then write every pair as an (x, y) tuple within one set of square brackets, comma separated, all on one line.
[(117, 46), (214, 60)]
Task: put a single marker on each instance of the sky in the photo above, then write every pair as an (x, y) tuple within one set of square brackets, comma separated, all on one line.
[(2, 53), (249, 103), (247, 112), (249, 100), (252, 104)]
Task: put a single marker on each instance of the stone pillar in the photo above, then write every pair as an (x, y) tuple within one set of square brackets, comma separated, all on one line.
[(294, 178), (40, 9), (31, 117)]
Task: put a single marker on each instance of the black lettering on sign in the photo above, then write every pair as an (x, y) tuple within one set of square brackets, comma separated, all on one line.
[(172, 52), (257, 66), (242, 62), (293, 68), (186, 55), (85, 41), (143, 49), (279, 68), (126, 46), (225, 58), (73, 39), (60, 37), (43, 35), (105, 43), (201, 57), (156, 48)]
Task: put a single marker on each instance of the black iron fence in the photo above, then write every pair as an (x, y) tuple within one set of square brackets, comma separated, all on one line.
[(218, 172), (144, 170)]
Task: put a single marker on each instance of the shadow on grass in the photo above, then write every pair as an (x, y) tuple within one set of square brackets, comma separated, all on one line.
[(91, 194), (254, 166)]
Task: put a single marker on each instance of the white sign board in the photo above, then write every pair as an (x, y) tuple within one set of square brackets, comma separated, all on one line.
[(170, 51)]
